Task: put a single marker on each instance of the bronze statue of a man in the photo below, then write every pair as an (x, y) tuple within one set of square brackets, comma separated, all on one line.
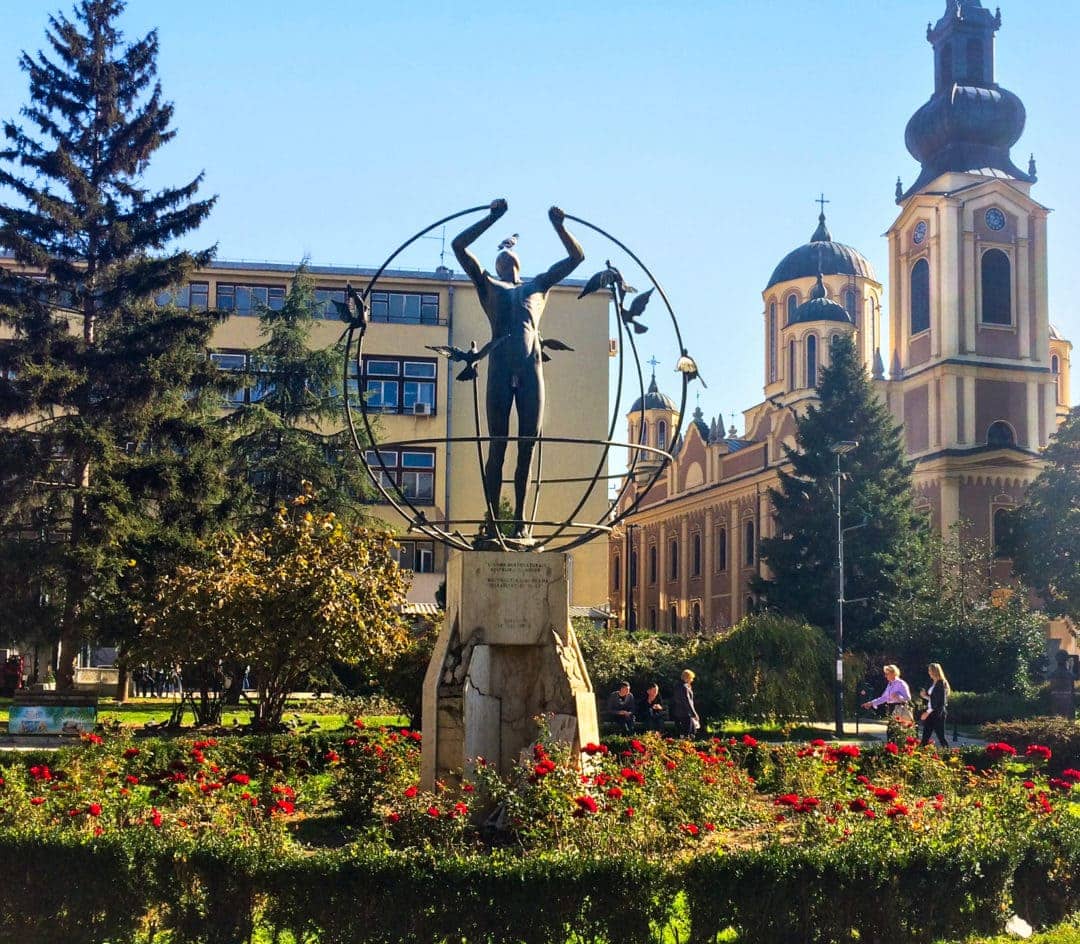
[(515, 375)]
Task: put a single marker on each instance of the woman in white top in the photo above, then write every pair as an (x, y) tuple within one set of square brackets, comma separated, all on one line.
[(898, 696)]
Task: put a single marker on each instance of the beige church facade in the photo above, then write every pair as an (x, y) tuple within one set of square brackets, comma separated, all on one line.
[(973, 369)]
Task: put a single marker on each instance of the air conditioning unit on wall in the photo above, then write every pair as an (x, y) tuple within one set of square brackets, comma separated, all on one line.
[(421, 409)]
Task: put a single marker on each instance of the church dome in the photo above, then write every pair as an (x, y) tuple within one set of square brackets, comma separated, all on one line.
[(654, 400), (819, 307), (821, 255)]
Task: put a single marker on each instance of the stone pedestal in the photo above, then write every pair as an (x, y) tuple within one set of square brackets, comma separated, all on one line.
[(506, 654)]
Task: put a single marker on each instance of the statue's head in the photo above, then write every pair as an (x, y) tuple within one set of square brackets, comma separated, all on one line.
[(508, 266)]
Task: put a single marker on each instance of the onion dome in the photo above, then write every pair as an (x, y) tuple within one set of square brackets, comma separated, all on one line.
[(654, 400), (819, 307), (970, 122), (821, 255)]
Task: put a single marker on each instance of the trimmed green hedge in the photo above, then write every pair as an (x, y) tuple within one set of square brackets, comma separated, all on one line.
[(123, 888)]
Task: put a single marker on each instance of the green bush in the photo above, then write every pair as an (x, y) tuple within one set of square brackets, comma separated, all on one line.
[(115, 889), (985, 707), (1061, 735), (768, 667)]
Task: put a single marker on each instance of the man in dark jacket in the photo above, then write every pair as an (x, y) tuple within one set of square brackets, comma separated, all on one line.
[(620, 708), (683, 711), (650, 710)]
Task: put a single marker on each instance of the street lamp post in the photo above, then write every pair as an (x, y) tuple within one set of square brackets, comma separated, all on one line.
[(630, 621), (840, 449)]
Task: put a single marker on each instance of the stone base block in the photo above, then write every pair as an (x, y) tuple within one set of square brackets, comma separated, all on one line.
[(505, 656)]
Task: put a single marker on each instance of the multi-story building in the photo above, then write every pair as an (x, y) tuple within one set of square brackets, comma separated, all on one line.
[(417, 401), (977, 375)]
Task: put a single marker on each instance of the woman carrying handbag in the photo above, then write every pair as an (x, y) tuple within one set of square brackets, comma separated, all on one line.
[(897, 696)]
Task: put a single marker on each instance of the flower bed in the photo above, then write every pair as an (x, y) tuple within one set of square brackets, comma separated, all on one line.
[(332, 837)]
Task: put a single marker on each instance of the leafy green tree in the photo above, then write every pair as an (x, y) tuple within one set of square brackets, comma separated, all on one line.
[(950, 608), (1043, 536), (284, 600), (876, 494), (290, 431), (104, 426)]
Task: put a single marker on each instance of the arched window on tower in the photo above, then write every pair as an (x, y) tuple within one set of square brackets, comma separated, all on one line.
[(920, 297), (792, 304), (652, 563), (695, 617), (811, 360), (616, 575), (749, 550), (946, 66), (673, 559), (1055, 369), (633, 568), (673, 619), (996, 288), (1000, 435), (695, 554), (975, 61), (850, 302), (661, 435), (791, 365), (772, 342)]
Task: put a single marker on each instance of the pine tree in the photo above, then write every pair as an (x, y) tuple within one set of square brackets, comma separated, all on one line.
[(104, 426), (1043, 534), (876, 494), (289, 433)]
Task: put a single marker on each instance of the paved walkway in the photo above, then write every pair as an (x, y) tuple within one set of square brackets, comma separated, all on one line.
[(871, 731)]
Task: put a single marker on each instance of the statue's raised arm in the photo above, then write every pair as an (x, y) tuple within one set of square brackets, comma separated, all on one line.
[(467, 237), (575, 255)]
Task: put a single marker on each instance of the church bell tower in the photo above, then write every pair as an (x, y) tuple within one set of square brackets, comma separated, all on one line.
[(969, 360)]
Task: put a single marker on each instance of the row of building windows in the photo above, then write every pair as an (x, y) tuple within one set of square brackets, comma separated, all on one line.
[(397, 385), (995, 281), (720, 560), (244, 299), (410, 470), (417, 556)]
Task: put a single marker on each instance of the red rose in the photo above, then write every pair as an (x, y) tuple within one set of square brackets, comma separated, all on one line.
[(629, 812), (36, 801), (585, 804), (1000, 749), (615, 793), (242, 779), (155, 818), (94, 809), (690, 829), (1037, 750), (709, 827), (637, 746), (332, 757), (749, 741), (869, 814), (393, 817), (285, 806), (131, 752), (433, 811), (410, 792), (132, 779), (897, 809), (892, 748)]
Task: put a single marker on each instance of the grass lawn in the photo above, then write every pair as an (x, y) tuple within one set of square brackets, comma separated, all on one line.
[(138, 712)]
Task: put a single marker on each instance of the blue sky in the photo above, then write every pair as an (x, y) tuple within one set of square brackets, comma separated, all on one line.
[(699, 132)]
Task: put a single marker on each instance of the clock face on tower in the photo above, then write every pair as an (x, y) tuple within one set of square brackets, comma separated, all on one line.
[(995, 219), (919, 235)]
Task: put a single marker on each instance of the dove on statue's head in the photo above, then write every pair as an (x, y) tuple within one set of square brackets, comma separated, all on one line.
[(510, 242)]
